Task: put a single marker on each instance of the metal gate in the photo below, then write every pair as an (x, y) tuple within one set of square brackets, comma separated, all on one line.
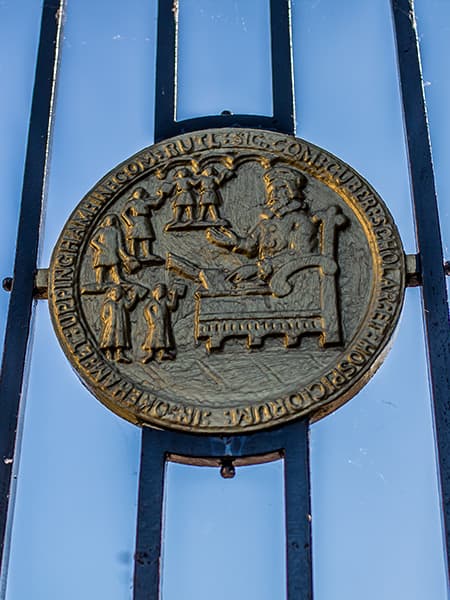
[(427, 269)]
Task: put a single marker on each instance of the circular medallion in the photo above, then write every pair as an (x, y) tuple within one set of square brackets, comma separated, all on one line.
[(227, 281)]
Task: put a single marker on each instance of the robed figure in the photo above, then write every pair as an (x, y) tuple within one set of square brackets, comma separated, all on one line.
[(160, 342), (108, 252), (115, 335)]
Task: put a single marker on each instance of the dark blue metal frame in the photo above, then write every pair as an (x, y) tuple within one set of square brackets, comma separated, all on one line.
[(290, 442), (428, 233), (283, 118), (21, 301)]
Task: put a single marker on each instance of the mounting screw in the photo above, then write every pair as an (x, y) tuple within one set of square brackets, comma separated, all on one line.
[(226, 113), (7, 284), (227, 469)]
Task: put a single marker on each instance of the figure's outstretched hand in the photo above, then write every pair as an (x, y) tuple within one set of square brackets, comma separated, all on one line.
[(221, 236), (132, 295), (130, 263)]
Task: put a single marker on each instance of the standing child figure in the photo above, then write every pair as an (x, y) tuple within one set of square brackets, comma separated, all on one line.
[(183, 203), (137, 216), (115, 336), (208, 183), (160, 342)]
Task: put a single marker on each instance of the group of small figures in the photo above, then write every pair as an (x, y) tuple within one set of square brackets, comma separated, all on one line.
[(195, 204), (115, 335), (196, 197)]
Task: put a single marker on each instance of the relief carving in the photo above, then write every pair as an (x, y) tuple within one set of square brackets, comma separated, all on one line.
[(260, 298), (139, 230), (209, 183), (115, 337), (109, 252), (183, 200), (230, 286), (195, 196), (159, 342), (285, 240)]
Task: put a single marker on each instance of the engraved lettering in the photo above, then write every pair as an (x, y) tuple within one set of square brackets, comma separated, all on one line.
[(240, 270)]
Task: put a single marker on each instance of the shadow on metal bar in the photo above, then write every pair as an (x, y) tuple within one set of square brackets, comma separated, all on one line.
[(289, 442), (283, 119)]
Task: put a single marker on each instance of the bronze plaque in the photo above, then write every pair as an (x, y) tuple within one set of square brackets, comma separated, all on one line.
[(226, 281)]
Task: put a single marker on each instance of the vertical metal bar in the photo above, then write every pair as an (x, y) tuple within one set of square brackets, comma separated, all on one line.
[(147, 572), (282, 71), (291, 441), (21, 301), (149, 517), (165, 69), (283, 118), (434, 295), (298, 509), (156, 444)]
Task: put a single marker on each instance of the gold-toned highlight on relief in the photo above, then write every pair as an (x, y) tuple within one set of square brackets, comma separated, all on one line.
[(227, 281)]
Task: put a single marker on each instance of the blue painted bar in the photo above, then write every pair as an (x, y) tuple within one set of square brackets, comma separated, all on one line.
[(428, 232)]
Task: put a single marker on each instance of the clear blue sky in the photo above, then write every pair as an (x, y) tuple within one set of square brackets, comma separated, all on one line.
[(376, 522)]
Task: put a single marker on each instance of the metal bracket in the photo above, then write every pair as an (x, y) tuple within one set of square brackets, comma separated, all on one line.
[(413, 270), (41, 284), (40, 289)]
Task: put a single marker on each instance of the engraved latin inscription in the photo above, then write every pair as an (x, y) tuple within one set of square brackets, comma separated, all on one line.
[(227, 280)]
